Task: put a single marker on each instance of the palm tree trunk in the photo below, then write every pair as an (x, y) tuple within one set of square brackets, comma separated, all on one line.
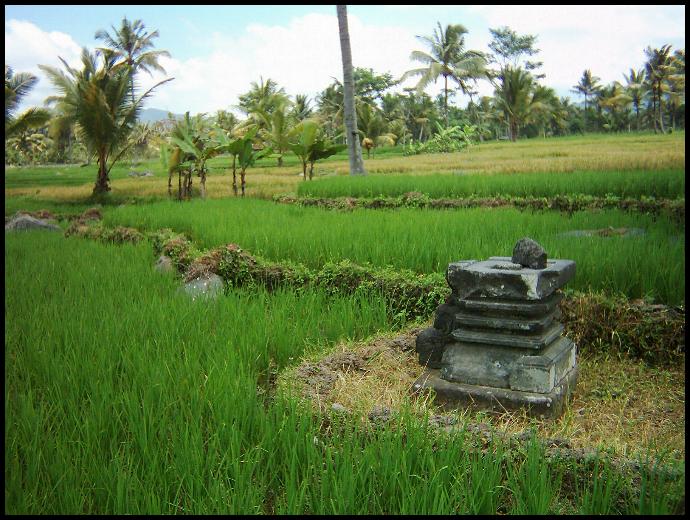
[(102, 179), (234, 175), (353, 147), (661, 112), (445, 98)]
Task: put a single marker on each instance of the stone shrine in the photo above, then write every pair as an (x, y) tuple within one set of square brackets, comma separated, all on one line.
[(496, 342)]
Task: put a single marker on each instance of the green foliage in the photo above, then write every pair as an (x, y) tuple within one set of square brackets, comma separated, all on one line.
[(446, 140), (309, 144), (639, 184), (97, 98), (596, 322)]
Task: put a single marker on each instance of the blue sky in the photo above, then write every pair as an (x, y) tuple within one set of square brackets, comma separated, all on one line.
[(217, 51)]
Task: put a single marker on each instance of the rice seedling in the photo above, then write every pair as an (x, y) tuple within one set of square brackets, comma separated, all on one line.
[(633, 184), (124, 396), (647, 265)]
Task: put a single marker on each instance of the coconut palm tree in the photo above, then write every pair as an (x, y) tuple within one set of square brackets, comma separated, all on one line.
[(447, 58), (676, 86), (301, 108), (132, 45), (274, 127), (264, 95), (635, 88), (18, 85), (659, 67), (587, 86), (352, 136), (96, 98), (515, 96)]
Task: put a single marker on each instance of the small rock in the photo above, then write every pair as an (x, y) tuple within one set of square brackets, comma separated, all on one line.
[(380, 414), (208, 286), (430, 344), (529, 253), (27, 223), (338, 408), (164, 264)]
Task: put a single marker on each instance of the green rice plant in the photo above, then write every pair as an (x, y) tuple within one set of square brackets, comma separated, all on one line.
[(483, 488), (123, 395), (601, 491), (632, 184), (534, 484), (659, 493), (651, 264)]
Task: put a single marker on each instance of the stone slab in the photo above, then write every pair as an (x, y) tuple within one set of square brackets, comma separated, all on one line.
[(496, 307), (531, 341), (534, 325), (453, 396), (505, 367), (498, 277)]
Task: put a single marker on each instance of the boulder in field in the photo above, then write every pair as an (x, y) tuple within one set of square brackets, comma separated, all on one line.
[(27, 223), (209, 286)]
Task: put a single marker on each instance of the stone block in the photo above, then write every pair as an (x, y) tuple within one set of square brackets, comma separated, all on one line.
[(534, 325), (430, 344), (500, 278), (496, 307), (531, 341), (455, 396), (505, 367)]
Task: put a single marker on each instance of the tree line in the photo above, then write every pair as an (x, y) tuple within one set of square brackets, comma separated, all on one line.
[(95, 112)]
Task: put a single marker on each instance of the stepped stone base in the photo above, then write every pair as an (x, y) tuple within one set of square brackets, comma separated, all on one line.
[(512, 368), (452, 396)]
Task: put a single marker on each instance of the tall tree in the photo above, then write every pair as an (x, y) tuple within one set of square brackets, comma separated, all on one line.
[(96, 98), (635, 89), (448, 58), (352, 136), (587, 86), (16, 87), (263, 96), (509, 49), (515, 97), (658, 68), (133, 46)]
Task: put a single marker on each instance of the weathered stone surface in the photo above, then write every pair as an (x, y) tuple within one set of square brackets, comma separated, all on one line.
[(445, 317), (528, 253), (534, 325), (135, 173), (505, 367), (164, 264), (207, 287), (338, 408), (529, 341), (542, 372), (496, 307), (23, 222), (429, 345), (453, 396), (498, 278)]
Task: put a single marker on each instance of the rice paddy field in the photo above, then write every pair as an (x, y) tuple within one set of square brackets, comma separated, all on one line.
[(125, 396)]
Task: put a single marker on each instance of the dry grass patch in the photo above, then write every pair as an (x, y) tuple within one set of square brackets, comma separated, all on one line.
[(619, 404)]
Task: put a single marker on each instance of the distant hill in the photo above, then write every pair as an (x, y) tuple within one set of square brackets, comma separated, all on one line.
[(150, 115)]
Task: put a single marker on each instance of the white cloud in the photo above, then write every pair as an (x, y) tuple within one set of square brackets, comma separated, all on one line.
[(27, 46), (302, 56), (609, 40), (303, 53)]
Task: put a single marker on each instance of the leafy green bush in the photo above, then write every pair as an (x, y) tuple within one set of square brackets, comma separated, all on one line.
[(446, 140)]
